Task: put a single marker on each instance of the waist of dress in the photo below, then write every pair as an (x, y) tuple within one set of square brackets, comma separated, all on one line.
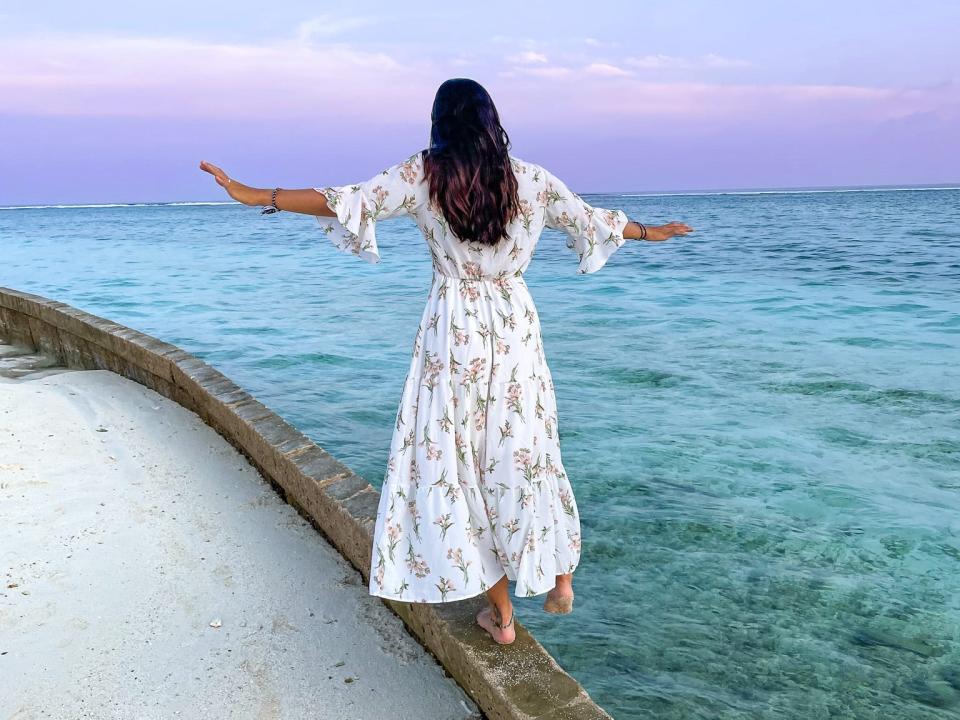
[(499, 278)]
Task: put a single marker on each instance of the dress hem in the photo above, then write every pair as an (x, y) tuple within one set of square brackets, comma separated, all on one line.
[(456, 598)]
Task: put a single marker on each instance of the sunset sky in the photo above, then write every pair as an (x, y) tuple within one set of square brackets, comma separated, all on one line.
[(118, 102)]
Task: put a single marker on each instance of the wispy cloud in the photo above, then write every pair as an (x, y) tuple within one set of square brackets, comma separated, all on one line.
[(607, 70), (306, 76), (710, 60), (542, 71), (326, 26), (111, 75), (515, 41), (527, 57)]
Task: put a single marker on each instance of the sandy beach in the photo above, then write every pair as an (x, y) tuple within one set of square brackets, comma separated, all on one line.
[(150, 572)]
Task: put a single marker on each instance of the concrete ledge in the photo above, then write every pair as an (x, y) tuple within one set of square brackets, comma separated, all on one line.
[(519, 682)]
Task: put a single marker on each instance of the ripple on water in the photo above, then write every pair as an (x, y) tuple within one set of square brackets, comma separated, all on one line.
[(764, 436)]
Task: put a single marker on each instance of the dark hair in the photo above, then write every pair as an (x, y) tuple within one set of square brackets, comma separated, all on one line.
[(467, 165)]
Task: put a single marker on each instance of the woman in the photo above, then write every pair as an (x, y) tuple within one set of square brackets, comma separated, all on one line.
[(475, 493)]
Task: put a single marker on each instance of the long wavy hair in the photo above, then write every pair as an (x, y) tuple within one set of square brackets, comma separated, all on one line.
[(467, 165)]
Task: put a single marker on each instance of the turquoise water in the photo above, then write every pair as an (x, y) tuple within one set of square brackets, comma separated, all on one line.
[(761, 421)]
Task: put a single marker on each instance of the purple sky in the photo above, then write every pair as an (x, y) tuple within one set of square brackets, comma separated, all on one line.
[(120, 103)]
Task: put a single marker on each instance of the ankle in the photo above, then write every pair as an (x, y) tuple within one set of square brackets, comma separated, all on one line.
[(564, 585)]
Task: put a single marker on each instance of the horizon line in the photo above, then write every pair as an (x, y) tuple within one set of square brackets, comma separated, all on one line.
[(813, 189)]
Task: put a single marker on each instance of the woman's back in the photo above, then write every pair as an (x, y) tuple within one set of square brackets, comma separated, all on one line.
[(544, 200), (475, 487), (475, 493)]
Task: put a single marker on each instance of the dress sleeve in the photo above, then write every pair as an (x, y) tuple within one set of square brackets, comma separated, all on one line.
[(594, 233), (389, 193)]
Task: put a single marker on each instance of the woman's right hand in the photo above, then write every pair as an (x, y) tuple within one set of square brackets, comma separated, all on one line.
[(237, 190)]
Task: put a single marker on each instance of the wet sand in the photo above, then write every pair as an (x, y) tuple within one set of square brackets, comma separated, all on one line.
[(148, 571)]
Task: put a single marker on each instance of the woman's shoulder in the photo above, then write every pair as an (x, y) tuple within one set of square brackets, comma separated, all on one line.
[(410, 169), (413, 162), (526, 170)]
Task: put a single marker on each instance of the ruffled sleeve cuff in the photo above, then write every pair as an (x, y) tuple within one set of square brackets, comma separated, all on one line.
[(353, 230), (601, 238)]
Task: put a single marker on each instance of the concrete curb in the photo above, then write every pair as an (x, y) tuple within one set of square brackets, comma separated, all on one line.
[(519, 682)]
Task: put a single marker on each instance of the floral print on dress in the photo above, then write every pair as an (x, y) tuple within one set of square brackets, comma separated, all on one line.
[(358, 207), (474, 487)]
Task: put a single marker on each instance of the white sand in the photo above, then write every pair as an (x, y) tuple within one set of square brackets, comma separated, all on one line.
[(127, 527)]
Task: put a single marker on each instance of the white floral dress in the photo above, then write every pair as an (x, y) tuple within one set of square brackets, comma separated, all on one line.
[(474, 487)]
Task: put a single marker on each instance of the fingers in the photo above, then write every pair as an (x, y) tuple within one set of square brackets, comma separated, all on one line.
[(680, 228), (219, 175), (213, 170)]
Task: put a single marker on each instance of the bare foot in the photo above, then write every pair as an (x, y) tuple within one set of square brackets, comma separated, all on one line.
[(488, 618), (559, 600)]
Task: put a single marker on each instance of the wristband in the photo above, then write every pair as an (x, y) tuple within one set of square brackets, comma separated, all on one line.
[(272, 207)]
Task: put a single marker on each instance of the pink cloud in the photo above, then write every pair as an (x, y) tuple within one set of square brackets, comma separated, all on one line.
[(104, 75), (333, 81)]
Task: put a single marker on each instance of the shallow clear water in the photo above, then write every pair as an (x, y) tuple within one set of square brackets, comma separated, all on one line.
[(761, 421)]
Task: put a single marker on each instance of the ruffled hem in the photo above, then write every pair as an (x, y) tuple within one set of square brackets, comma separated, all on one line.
[(353, 230), (532, 571), (467, 594)]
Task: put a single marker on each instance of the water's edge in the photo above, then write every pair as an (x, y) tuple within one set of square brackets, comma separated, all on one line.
[(517, 683)]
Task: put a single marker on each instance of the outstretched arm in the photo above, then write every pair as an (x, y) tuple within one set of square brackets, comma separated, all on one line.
[(307, 201), (633, 231)]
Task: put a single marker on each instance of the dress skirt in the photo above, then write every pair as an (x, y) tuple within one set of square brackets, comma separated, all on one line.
[(475, 488)]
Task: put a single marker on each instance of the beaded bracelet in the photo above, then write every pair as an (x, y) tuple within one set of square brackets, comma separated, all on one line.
[(643, 229), (272, 207)]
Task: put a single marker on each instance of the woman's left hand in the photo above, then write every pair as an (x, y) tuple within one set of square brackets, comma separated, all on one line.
[(665, 232)]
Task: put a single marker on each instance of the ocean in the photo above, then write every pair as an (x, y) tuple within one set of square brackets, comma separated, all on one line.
[(761, 421)]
